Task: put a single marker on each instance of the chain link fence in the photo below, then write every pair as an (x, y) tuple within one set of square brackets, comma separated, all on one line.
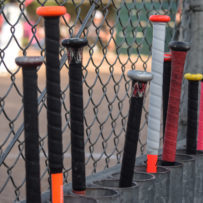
[(120, 36)]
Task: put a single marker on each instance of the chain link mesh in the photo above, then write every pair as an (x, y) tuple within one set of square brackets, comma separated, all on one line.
[(120, 38)]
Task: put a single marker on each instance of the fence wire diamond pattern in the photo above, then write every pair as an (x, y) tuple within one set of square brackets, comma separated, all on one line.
[(119, 39)]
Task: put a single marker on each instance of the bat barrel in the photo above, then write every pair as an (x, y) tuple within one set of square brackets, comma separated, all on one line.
[(29, 66), (193, 85), (166, 86), (155, 103), (51, 15), (139, 83), (178, 54), (200, 122), (75, 49)]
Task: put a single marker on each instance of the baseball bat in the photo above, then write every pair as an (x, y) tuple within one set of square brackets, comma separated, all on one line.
[(166, 86), (200, 122), (51, 16), (74, 50), (139, 83), (32, 165), (191, 136), (155, 102), (178, 55)]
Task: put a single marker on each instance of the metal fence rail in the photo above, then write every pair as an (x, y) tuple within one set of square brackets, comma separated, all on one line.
[(119, 36)]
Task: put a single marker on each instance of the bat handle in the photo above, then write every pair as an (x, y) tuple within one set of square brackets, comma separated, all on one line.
[(139, 83), (51, 15), (74, 50), (191, 135), (29, 67), (166, 86), (155, 103), (178, 54), (200, 122)]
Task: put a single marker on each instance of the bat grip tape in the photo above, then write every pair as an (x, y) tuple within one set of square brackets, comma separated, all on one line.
[(166, 88), (191, 143), (171, 129), (77, 126), (131, 140), (53, 94), (200, 122), (33, 193)]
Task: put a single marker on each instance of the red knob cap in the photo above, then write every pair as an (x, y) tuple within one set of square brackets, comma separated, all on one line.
[(160, 18), (51, 11)]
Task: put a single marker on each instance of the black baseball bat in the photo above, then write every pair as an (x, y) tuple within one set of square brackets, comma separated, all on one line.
[(191, 134), (51, 16), (74, 49), (32, 164), (139, 83)]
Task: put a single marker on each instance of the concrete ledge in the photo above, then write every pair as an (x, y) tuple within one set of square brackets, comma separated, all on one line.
[(103, 174)]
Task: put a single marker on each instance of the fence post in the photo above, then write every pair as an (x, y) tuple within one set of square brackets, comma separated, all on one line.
[(192, 31)]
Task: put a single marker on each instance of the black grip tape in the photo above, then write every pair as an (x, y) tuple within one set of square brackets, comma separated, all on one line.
[(192, 117), (77, 126), (131, 140), (53, 95), (31, 135), (166, 88)]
